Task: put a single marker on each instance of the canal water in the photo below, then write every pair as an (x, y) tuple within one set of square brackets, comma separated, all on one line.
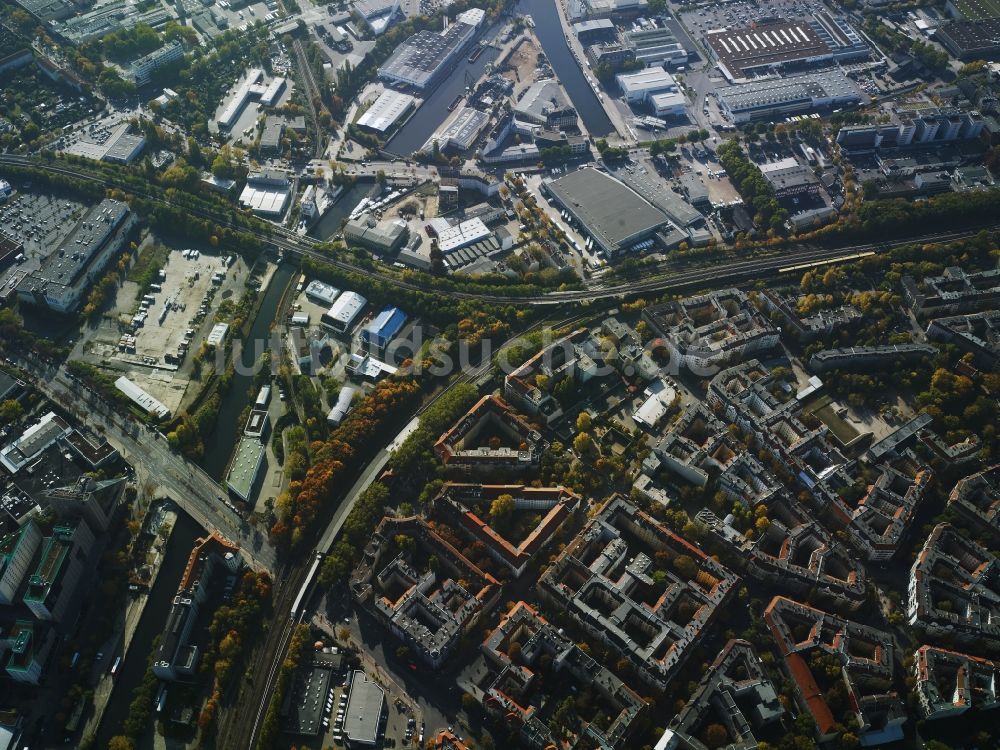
[(433, 112), (150, 625), (219, 445)]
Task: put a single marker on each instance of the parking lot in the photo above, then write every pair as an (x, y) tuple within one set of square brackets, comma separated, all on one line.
[(744, 13)]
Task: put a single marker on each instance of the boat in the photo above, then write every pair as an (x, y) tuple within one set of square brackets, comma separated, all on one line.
[(316, 201)]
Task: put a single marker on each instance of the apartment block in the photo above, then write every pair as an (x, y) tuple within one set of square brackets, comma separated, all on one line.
[(566, 357), (950, 683), (523, 653), (639, 589), (977, 499), (811, 641), (17, 552), (490, 438), (712, 330), (954, 589), (735, 693), (428, 605), (954, 291), (467, 507)]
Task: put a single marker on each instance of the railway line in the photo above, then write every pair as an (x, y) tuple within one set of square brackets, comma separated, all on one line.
[(711, 273)]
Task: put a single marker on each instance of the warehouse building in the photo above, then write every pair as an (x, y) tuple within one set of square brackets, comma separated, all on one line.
[(378, 334), (598, 30), (426, 56), (383, 237), (66, 274), (461, 133), (614, 215), (766, 47), (320, 293), (267, 194), (656, 47), (387, 110), (124, 149), (344, 312), (779, 97), (545, 103), (245, 468), (142, 399), (462, 235), (365, 711), (655, 87), (971, 40)]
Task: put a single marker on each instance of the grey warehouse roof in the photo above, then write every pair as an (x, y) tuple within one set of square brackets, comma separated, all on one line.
[(782, 91), (611, 211)]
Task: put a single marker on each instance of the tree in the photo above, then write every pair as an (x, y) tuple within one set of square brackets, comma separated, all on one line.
[(121, 742), (501, 509), (716, 735), (583, 422), (685, 566)]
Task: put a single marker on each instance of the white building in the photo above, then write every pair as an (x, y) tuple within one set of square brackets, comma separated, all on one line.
[(344, 312), (33, 442), (386, 111), (217, 334), (462, 235), (141, 399), (143, 68), (267, 194), (639, 87), (320, 293)]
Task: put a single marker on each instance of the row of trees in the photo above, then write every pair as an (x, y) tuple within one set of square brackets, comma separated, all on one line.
[(757, 193)]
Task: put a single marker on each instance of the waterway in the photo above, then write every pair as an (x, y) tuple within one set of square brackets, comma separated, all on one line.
[(219, 445), (154, 615), (549, 31), (414, 134)]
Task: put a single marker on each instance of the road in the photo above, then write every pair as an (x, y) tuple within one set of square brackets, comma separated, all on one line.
[(183, 481)]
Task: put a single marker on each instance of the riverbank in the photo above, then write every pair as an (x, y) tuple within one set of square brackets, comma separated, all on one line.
[(161, 527)]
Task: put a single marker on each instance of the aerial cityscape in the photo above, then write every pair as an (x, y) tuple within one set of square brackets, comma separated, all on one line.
[(500, 374)]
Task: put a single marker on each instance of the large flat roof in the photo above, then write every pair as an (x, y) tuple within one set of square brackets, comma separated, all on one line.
[(364, 709), (420, 57), (245, 467), (611, 211), (776, 92), (743, 49), (387, 109)]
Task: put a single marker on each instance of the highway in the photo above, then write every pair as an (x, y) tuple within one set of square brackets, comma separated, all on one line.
[(711, 271), (181, 480)]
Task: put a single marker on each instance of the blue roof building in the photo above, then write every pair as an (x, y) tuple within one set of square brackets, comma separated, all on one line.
[(382, 330)]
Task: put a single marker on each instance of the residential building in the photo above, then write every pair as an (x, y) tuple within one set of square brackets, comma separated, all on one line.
[(734, 693), (888, 356), (652, 616), (977, 499), (17, 553), (712, 330), (468, 507), (34, 441), (954, 291), (858, 689), (564, 358), (950, 683), (141, 71), (213, 559), (52, 587), (428, 609), (954, 589), (514, 652), (491, 437)]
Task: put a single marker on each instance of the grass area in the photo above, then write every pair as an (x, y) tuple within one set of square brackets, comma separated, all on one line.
[(824, 410), (147, 267), (978, 10)]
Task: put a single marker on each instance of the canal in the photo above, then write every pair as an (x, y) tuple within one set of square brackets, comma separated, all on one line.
[(433, 112), (154, 615), (219, 445)]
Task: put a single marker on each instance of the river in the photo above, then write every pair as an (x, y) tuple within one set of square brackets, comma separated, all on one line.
[(329, 225), (219, 445), (433, 112), (154, 615)]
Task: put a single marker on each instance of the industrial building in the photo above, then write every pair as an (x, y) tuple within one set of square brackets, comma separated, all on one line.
[(779, 97), (614, 8), (217, 335), (320, 293), (340, 409), (267, 194), (463, 130), (365, 710), (378, 334), (384, 237), (789, 178), (344, 312), (971, 40), (776, 45), (142, 399), (65, 275), (34, 441), (141, 71), (656, 87), (545, 103), (656, 47), (386, 111), (124, 149), (426, 56), (250, 88), (245, 468), (615, 216), (589, 32), (461, 235)]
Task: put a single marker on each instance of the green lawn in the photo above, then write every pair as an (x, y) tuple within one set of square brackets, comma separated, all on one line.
[(824, 409)]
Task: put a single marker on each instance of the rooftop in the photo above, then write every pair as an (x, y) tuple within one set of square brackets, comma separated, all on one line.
[(364, 709)]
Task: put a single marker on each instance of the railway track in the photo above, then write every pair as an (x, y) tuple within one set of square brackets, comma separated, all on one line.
[(716, 274)]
